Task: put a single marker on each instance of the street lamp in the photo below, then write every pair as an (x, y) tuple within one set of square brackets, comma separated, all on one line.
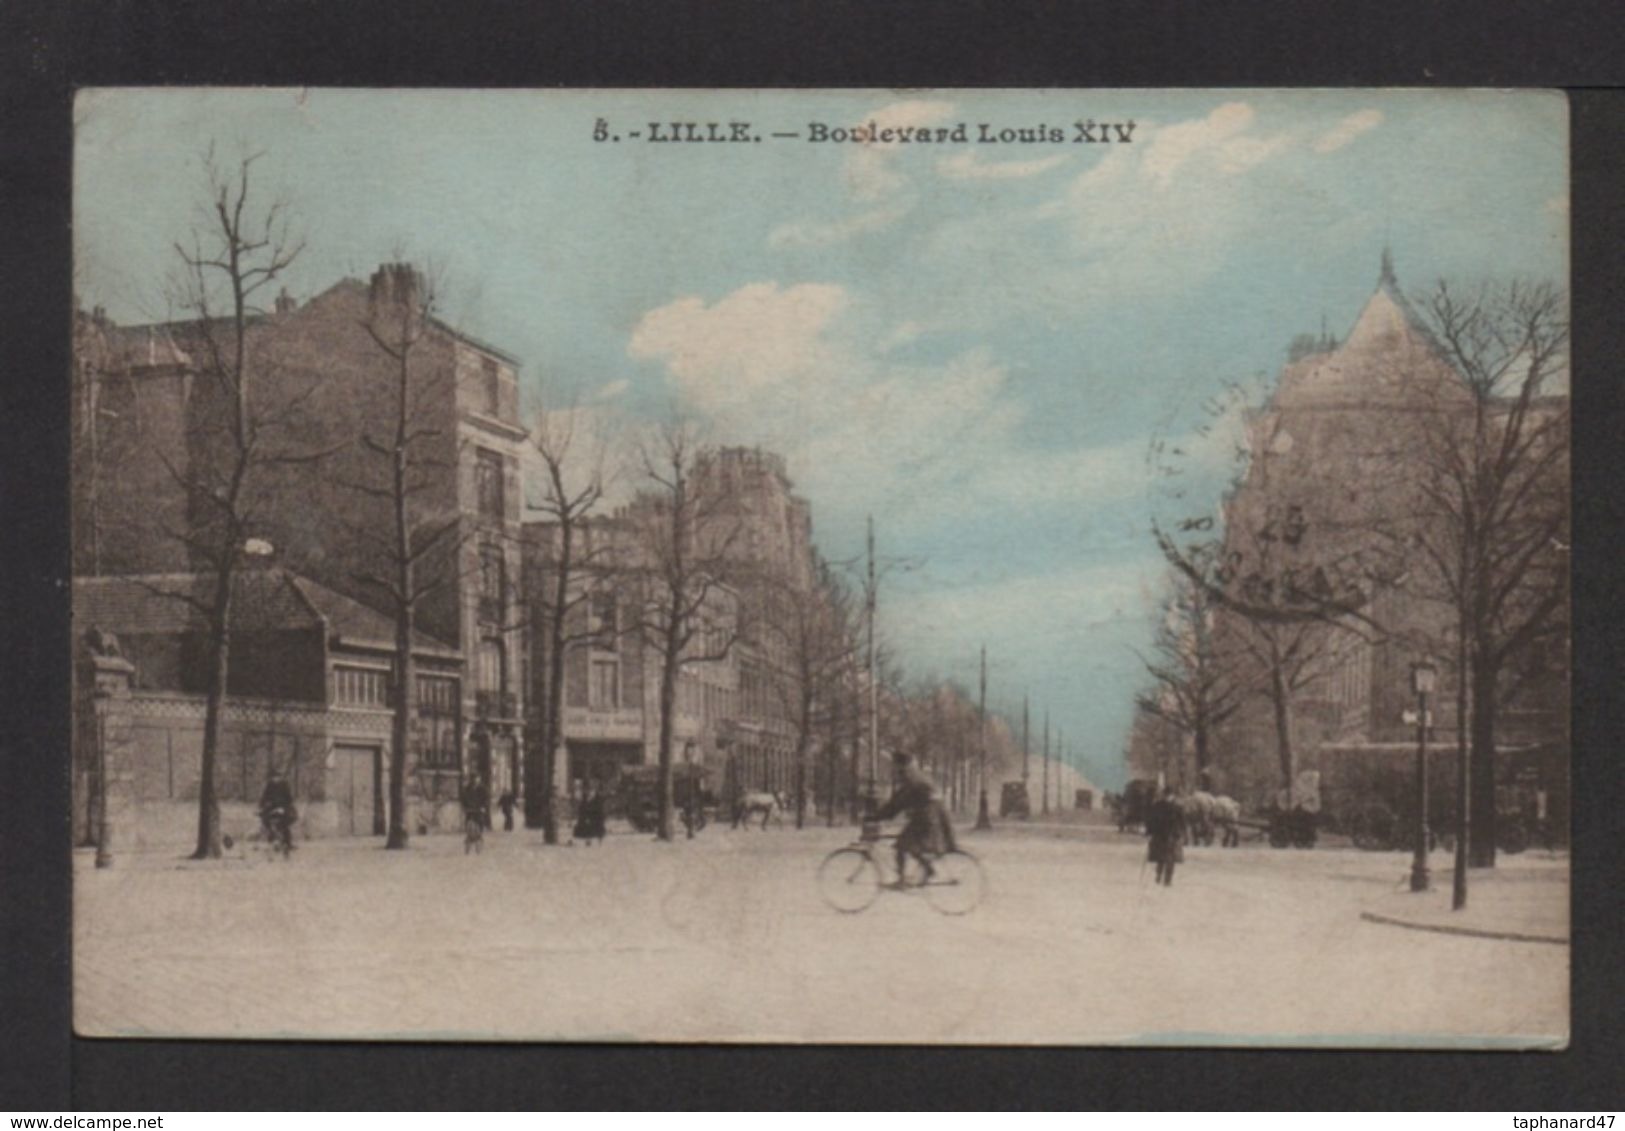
[(1423, 675)]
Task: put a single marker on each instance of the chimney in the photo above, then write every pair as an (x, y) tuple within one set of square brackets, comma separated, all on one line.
[(396, 283), (284, 301)]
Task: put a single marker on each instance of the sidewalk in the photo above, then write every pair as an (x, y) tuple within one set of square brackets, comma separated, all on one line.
[(1522, 899)]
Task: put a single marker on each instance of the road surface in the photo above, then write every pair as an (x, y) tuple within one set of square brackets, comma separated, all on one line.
[(725, 938)]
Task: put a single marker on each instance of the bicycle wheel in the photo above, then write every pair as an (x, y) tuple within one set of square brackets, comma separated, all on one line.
[(957, 886), (848, 880)]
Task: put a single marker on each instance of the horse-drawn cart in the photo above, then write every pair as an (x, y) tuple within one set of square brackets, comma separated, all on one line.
[(639, 796)]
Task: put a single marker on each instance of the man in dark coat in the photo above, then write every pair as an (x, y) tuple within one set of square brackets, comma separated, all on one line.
[(590, 821), (927, 831), (276, 808), (1165, 825)]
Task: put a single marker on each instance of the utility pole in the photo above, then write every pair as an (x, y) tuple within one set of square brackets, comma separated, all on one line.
[(874, 696), (1060, 760), (983, 821), (1044, 794), (1026, 769)]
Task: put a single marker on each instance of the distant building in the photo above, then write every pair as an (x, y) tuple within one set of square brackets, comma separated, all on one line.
[(731, 714)]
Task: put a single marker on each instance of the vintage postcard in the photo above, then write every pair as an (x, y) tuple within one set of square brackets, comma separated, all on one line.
[(1005, 567)]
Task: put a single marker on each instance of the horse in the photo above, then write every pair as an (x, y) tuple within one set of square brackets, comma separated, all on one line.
[(1227, 819), (770, 804), (1198, 808)]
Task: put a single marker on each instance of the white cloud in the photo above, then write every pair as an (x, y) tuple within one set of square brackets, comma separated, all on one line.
[(612, 390), (869, 170), (759, 336), (1151, 217), (903, 334), (1351, 127), (871, 178), (1222, 139), (806, 370), (813, 233), (968, 165)]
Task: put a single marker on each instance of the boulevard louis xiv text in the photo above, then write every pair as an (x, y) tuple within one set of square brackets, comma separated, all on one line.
[(1083, 131)]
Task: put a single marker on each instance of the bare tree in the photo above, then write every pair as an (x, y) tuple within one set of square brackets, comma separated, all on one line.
[(571, 491), (1198, 686), (688, 614), (404, 463), (813, 631), (1492, 520), (1286, 577), (235, 435)]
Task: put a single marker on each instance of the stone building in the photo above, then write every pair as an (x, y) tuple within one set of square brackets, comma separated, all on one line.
[(309, 696), (1332, 488), (145, 400), (730, 712)]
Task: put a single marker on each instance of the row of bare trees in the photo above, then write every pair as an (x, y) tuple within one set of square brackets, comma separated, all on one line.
[(1433, 519), (672, 559)]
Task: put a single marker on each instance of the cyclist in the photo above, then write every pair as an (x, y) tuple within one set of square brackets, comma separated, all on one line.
[(927, 831), (277, 813)]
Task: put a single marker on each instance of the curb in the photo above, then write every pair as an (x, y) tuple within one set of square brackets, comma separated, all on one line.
[(1470, 932)]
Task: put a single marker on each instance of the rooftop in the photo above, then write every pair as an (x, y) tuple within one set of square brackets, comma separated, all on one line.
[(263, 600)]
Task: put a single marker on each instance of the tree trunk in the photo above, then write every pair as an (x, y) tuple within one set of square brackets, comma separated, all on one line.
[(546, 805), (405, 675), (801, 779), (1464, 776), (208, 804), (401, 730), (668, 704), (1281, 700), (1481, 765)]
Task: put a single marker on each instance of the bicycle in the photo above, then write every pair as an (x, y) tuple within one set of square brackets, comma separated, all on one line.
[(276, 831), (852, 878)]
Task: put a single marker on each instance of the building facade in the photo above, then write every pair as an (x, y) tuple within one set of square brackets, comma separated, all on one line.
[(1329, 506), (731, 713), (147, 403)]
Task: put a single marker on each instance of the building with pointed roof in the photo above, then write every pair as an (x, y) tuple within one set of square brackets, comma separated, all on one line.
[(1323, 520)]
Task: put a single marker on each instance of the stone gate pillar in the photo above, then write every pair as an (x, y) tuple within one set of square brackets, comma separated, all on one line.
[(104, 681)]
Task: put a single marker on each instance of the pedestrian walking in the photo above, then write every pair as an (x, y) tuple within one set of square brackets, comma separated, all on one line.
[(590, 817), (1165, 826), (506, 803)]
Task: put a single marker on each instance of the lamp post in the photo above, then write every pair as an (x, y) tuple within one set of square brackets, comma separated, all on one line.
[(982, 820), (1423, 675)]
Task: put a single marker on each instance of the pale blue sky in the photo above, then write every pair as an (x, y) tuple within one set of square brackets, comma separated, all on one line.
[(975, 343)]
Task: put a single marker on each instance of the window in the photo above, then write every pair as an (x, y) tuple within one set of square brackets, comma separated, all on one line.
[(493, 583), (360, 687), (437, 695), (491, 373), (605, 690), (604, 625), (437, 730), (490, 672), (488, 484)]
